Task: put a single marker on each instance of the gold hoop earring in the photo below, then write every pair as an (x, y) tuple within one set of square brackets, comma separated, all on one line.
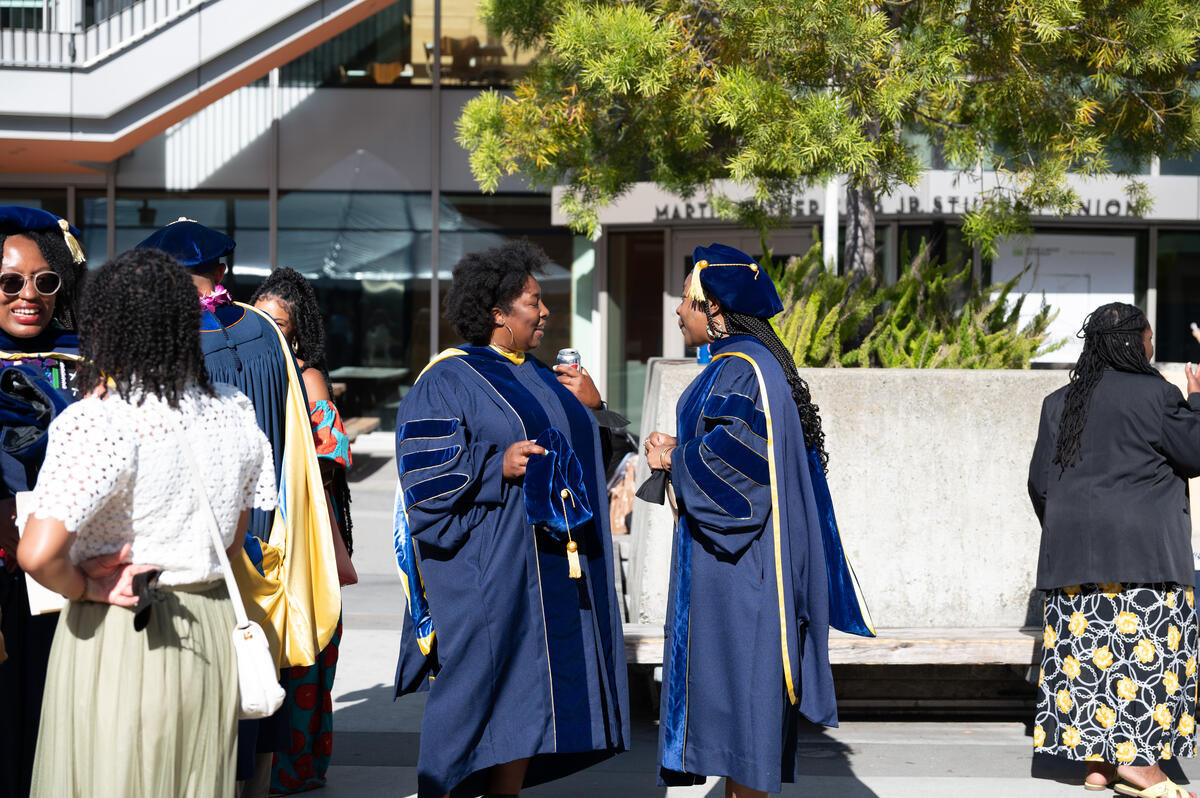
[(512, 339)]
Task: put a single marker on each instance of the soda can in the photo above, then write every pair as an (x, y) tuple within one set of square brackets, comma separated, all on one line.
[(569, 357)]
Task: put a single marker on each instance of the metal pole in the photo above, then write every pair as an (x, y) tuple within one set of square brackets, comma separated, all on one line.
[(110, 195), (1152, 279), (273, 180), (829, 230), (435, 194)]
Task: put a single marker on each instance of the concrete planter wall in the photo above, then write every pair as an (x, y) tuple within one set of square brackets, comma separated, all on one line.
[(928, 472)]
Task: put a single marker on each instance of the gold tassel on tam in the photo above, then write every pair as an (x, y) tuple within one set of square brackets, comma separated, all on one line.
[(72, 245), (695, 290), (575, 571)]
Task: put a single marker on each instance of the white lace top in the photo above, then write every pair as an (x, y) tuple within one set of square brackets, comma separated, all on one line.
[(114, 474)]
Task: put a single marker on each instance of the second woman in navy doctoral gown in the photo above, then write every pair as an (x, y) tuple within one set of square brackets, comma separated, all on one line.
[(527, 662), (758, 574)]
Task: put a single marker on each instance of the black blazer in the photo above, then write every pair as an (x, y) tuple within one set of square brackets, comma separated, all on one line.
[(1120, 513)]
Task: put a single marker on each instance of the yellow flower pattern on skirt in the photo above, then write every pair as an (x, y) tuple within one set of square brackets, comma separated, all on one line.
[(1118, 678)]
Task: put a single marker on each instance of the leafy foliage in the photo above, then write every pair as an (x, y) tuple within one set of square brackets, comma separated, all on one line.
[(934, 316), (777, 94)]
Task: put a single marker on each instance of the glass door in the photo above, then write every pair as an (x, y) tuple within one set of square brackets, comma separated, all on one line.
[(635, 319)]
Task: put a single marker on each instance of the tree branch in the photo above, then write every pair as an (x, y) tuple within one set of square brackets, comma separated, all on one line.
[(1025, 138), (1076, 28), (1159, 121)]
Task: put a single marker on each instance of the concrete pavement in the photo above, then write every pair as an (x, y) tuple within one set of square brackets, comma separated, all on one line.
[(376, 739)]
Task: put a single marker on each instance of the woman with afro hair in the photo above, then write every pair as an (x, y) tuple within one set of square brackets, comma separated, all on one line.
[(146, 704), (502, 539), (289, 299), (41, 266), (1108, 481)]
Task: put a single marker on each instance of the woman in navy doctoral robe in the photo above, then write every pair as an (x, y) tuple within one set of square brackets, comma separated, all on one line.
[(517, 639), (36, 337), (757, 570)]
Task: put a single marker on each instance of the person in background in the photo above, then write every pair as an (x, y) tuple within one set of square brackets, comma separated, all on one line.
[(41, 267), (149, 709), (758, 574), (289, 300), (298, 596), (1108, 481), (502, 539)]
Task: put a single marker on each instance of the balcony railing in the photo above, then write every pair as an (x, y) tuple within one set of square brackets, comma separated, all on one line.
[(48, 49)]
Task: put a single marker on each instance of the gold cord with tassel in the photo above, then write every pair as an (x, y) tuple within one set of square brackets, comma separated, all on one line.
[(575, 571), (695, 291), (72, 245)]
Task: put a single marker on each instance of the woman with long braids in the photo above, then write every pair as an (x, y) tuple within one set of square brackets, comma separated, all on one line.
[(1108, 481), (758, 574), (142, 704), (289, 299)]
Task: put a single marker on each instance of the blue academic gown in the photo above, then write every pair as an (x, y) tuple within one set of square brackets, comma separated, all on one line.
[(243, 349), (27, 638), (528, 662), (748, 610)]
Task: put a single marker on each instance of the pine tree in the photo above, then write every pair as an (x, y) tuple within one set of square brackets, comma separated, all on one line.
[(779, 95)]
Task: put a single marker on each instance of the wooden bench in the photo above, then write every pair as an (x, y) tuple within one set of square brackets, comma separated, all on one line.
[(895, 646), (360, 425)]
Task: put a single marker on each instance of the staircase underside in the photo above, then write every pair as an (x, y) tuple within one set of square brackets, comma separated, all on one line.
[(50, 143)]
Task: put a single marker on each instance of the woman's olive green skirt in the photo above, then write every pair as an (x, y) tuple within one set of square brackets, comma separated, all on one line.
[(147, 714)]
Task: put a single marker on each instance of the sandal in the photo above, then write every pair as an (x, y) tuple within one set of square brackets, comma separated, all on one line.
[(1164, 789), (1097, 787)]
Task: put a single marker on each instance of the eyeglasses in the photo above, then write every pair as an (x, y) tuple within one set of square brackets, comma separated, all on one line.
[(45, 283)]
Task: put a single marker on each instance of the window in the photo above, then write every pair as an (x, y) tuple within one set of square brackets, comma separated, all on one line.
[(394, 48), (1178, 296)]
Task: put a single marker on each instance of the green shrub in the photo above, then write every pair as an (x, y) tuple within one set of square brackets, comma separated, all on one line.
[(934, 316)]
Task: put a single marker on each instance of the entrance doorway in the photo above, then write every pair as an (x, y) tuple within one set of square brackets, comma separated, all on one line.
[(635, 326)]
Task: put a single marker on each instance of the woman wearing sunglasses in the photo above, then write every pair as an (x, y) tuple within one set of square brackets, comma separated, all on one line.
[(41, 265)]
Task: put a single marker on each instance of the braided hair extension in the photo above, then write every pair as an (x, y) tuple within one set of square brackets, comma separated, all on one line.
[(140, 328), (810, 414), (289, 287), (1112, 338), (296, 294), (339, 488), (56, 254)]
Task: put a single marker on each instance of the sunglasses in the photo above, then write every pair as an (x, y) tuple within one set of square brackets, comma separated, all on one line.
[(45, 283)]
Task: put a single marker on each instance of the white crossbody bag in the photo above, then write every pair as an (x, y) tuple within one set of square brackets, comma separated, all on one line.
[(259, 691)]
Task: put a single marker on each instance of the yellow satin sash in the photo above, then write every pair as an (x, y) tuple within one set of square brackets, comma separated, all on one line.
[(298, 599)]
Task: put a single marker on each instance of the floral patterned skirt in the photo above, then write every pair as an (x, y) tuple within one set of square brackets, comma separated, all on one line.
[(310, 706), (1118, 680)]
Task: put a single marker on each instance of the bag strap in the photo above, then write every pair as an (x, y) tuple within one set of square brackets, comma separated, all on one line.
[(210, 521)]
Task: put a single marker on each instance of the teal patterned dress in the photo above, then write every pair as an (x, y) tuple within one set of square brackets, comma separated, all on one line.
[(302, 766)]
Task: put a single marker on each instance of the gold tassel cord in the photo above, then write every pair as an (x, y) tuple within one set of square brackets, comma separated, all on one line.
[(574, 569), (696, 291), (72, 245)]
